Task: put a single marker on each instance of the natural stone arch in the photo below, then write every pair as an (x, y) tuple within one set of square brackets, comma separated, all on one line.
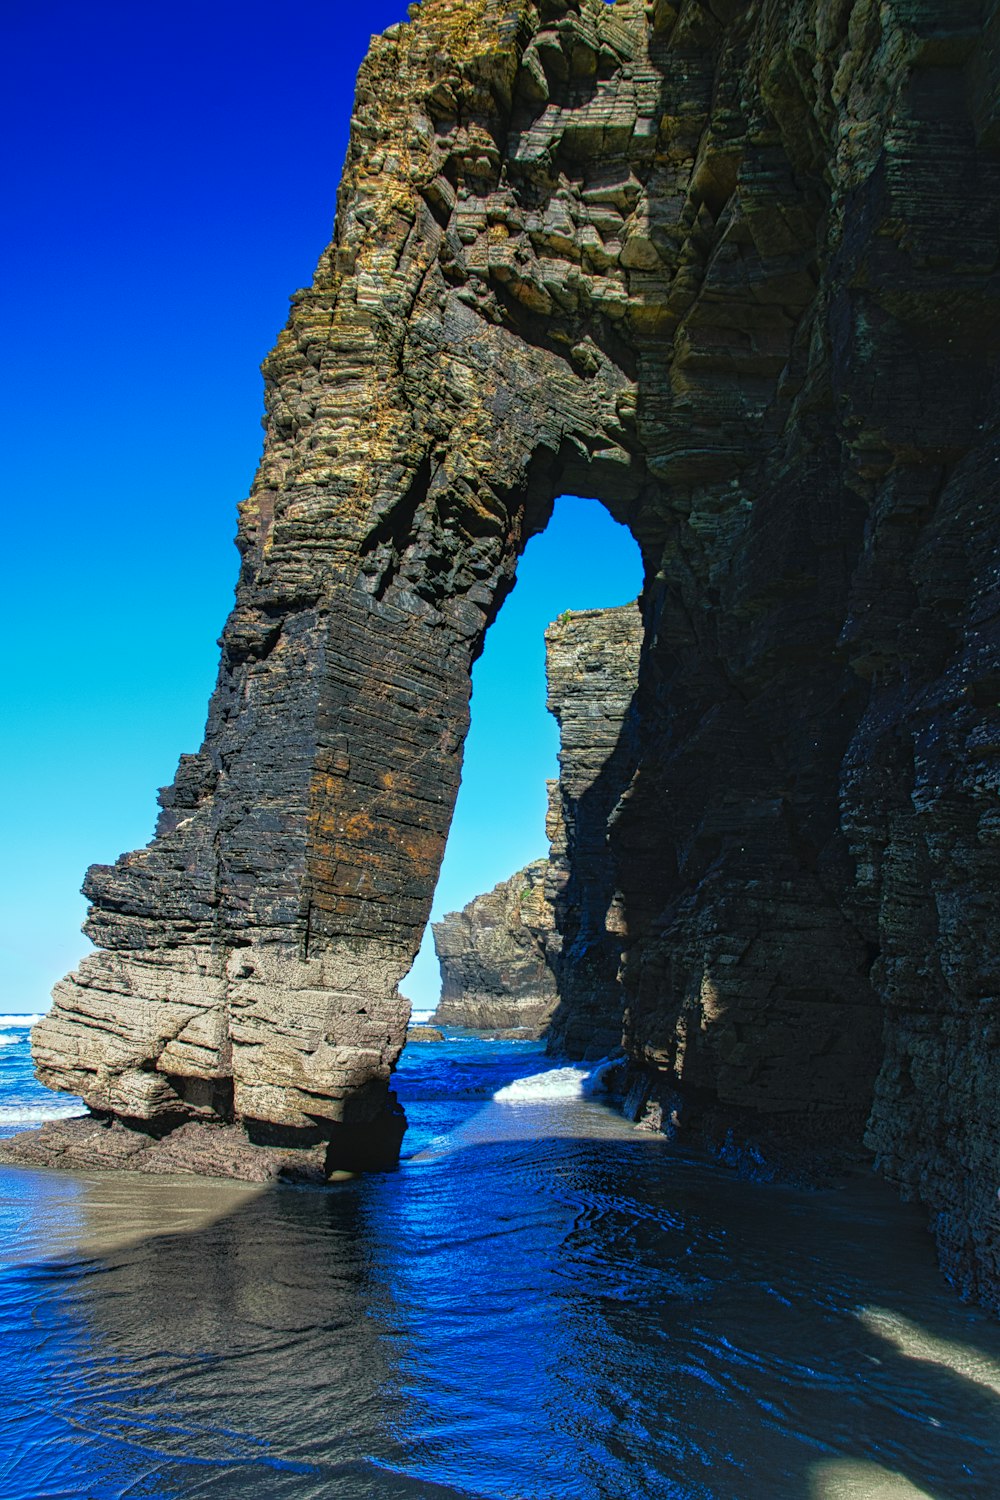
[(659, 255)]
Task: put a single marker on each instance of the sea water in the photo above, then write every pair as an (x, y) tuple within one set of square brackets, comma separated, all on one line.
[(542, 1302), (23, 1102)]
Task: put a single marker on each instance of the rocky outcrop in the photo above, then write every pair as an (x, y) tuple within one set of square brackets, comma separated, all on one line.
[(731, 268), (495, 970), (425, 1034), (592, 667), (540, 953), (200, 1148)]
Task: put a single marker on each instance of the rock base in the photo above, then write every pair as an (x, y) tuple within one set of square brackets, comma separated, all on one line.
[(240, 1151), (801, 1150)]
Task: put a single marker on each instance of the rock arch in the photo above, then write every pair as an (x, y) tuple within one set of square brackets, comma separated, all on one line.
[(690, 259)]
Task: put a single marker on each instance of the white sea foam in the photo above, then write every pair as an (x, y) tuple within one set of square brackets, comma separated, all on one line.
[(571, 1082), (555, 1083), (35, 1114), (603, 1075), (19, 1021), (7, 1039)]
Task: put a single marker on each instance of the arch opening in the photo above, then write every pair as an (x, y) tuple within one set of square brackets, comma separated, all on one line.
[(583, 561)]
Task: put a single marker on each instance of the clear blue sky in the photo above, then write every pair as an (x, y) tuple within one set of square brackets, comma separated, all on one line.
[(171, 173)]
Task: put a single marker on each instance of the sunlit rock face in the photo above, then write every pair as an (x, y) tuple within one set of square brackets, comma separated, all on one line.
[(592, 670), (495, 969), (731, 269)]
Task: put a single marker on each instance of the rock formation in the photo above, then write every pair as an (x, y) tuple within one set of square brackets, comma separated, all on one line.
[(495, 972), (551, 933), (592, 667), (424, 1034), (731, 268)]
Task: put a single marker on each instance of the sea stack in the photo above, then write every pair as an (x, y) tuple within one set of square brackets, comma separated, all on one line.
[(496, 974)]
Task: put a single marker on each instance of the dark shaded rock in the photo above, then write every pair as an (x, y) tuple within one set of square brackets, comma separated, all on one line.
[(539, 954), (425, 1034), (592, 667), (780, 1149), (368, 1146), (731, 269)]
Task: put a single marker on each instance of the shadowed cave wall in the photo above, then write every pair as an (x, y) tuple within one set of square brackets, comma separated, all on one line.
[(732, 269)]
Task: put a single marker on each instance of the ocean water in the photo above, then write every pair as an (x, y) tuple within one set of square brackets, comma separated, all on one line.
[(541, 1303), (23, 1102)]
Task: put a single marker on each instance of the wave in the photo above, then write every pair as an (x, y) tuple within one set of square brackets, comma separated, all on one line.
[(19, 1022), (7, 1039), (573, 1082), (36, 1114), (606, 1075), (556, 1083)]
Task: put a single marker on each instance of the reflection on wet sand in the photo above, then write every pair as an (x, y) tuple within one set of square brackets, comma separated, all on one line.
[(916, 1343), (851, 1479), (234, 1353), (681, 1333), (540, 1305), (589, 1119), (91, 1214)]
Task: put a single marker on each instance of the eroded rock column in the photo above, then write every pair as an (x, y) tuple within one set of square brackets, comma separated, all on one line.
[(249, 957)]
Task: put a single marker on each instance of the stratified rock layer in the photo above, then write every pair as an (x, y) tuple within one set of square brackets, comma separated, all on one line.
[(540, 953), (592, 667), (732, 269), (495, 973)]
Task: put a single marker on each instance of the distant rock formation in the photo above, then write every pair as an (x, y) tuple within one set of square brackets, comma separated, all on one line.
[(495, 970), (540, 953)]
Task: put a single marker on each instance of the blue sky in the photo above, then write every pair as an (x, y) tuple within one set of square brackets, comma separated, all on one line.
[(171, 179)]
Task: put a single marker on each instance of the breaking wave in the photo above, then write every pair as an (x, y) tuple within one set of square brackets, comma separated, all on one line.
[(37, 1114), (571, 1082), (19, 1022)]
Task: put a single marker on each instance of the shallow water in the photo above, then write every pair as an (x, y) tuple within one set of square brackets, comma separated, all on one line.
[(541, 1303)]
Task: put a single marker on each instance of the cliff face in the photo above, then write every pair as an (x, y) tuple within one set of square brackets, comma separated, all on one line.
[(495, 973), (541, 951), (592, 667), (732, 269)]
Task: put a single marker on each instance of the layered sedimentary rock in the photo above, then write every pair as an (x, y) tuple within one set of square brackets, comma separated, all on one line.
[(540, 953), (731, 268), (592, 668), (495, 971)]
